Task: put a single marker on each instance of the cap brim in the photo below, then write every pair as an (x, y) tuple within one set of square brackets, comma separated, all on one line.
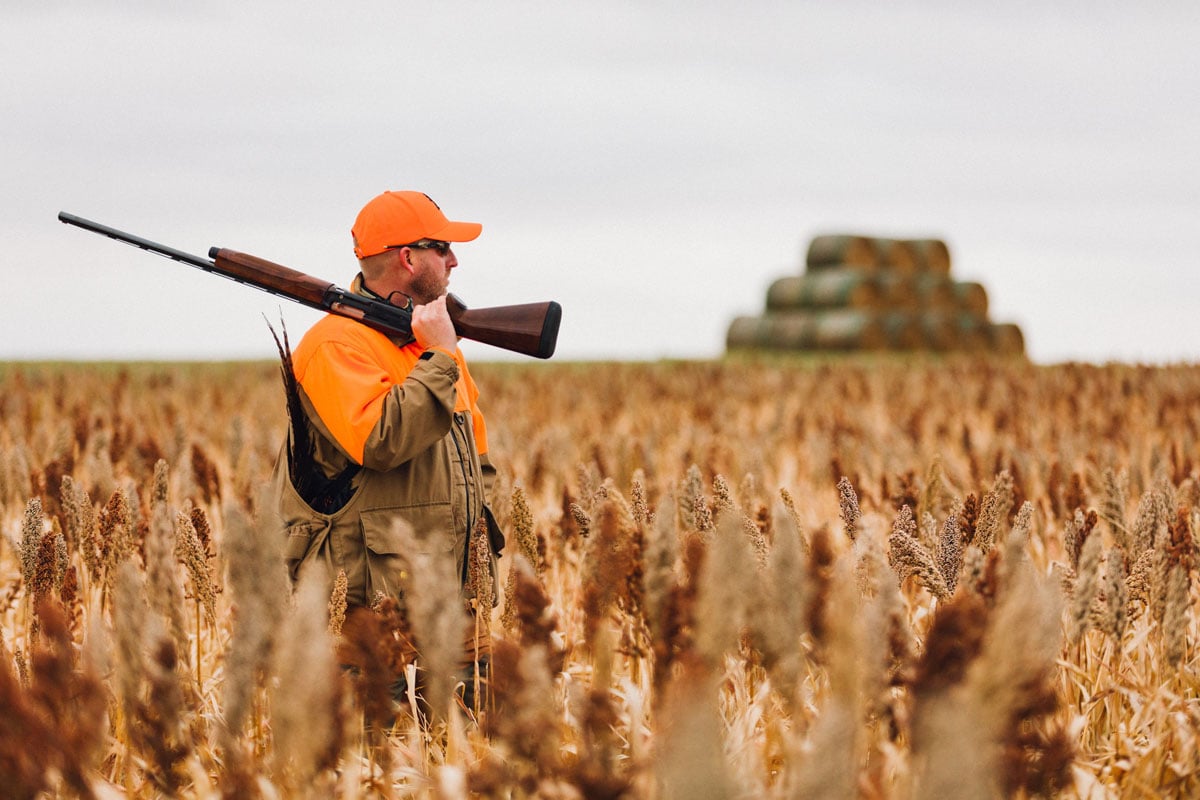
[(457, 232)]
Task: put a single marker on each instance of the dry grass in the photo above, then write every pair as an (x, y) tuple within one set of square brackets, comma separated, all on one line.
[(879, 579)]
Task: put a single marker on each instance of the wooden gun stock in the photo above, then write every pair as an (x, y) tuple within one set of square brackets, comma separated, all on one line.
[(530, 328)]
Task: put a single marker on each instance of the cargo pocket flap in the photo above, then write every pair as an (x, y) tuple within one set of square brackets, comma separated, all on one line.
[(303, 543), (299, 539), (431, 529), (381, 534)]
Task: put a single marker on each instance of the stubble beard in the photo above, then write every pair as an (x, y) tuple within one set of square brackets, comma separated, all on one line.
[(428, 287)]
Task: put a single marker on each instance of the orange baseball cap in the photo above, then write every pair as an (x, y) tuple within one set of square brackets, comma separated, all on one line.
[(395, 218)]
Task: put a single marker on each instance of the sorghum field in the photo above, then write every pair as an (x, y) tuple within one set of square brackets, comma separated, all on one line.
[(779, 579)]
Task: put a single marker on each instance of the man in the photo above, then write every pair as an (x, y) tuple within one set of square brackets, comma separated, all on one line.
[(386, 428)]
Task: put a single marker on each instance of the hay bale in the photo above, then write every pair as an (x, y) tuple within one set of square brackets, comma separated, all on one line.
[(896, 255), (938, 331), (843, 329), (932, 255), (955, 331), (830, 288), (899, 292), (971, 297), (971, 332), (841, 250), (1006, 339), (903, 330), (935, 292)]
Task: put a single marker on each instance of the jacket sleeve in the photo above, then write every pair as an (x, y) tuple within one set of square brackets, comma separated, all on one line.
[(378, 422)]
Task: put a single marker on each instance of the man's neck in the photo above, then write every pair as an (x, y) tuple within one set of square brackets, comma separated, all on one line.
[(360, 286)]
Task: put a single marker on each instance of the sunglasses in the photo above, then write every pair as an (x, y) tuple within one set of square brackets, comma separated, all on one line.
[(441, 248)]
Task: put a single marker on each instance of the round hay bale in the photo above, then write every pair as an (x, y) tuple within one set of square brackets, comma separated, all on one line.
[(742, 333), (932, 254), (1006, 339), (938, 331), (899, 292), (971, 332), (896, 255), (782, 331), (836, 250), (934, 292), (843, 329), (971, 297), (849, 330), (954, 331), (903, 330), (830, 288)]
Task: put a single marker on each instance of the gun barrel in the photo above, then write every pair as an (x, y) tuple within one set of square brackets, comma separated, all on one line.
[(247, 270), (136, 241)]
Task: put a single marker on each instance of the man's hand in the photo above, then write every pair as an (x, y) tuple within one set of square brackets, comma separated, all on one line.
[(431, 326)]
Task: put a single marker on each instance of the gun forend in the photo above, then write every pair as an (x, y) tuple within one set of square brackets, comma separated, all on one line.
[(270, 276)]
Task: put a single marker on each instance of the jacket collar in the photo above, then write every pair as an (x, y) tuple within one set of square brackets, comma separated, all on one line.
[(359, 286)]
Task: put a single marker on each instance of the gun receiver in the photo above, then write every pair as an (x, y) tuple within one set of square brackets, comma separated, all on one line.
[(530, 329)]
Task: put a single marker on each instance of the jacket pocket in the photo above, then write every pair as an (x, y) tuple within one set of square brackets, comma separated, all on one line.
[(389, 549), (300, 545)]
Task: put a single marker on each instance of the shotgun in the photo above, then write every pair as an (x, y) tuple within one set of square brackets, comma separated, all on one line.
[(530, 328)]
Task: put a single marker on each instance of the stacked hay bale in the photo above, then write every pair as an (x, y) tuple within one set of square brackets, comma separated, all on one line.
[(868, 293)]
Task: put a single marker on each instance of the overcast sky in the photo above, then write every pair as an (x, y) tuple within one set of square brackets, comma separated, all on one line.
[(652, 166)]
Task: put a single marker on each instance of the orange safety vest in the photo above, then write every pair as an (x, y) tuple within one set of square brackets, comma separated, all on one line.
[(348, 389)]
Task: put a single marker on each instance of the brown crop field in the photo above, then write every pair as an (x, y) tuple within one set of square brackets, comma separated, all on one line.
[(871, 578)]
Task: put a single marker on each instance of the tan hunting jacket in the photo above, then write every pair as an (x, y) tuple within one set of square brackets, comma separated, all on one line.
[(401, 427)]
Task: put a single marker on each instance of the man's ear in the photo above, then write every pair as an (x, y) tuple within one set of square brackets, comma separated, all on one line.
[(406, 261)]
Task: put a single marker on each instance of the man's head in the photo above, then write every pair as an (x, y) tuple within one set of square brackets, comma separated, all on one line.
[(402, 240)]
